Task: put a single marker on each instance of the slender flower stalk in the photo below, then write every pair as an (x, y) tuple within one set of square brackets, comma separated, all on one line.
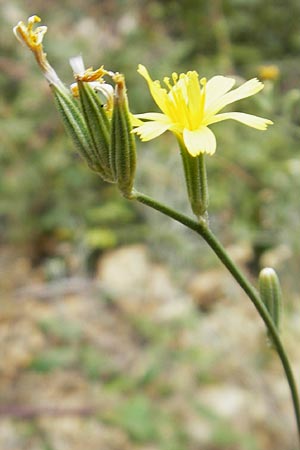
[(189, 106), (202, 229)]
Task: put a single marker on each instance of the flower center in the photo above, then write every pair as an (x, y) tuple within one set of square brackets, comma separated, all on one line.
[(186, 99)]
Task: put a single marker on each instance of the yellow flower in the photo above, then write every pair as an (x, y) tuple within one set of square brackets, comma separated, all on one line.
[(190, 105), (269, 72)]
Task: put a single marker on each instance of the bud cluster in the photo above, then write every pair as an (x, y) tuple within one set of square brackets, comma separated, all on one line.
[(95, 114)]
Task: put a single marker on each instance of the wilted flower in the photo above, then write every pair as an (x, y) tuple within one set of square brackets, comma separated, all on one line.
[(33, 39), (95, 80), (190, 105)]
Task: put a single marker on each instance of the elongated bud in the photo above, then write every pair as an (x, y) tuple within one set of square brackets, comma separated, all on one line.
[(98, 125), (122, 150), (95, 113), (196, 180), (270, 292), (76, 127)]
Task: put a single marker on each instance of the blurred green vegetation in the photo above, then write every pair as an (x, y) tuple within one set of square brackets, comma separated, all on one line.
[(49, 198)]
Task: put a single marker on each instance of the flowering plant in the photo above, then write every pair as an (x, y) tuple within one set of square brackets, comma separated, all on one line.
[(97, 116)]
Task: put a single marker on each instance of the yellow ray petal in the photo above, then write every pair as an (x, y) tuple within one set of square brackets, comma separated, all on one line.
[(158, 93), (200, 141), (135, 122), (151, 130), (195, 97), (158, 117), (247, 89), (216, 87), (247, 119)]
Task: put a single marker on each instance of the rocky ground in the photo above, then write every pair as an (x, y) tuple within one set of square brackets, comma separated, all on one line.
[(136, 359)]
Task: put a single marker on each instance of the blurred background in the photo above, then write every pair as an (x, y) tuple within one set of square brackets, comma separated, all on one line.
[(118, 328)]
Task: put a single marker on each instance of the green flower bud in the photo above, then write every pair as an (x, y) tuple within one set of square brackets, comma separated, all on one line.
[(97, 115), (98, 125), (270, 292), (122, 150), (76, 127)]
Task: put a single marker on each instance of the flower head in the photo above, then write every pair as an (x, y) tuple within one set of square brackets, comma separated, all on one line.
[(190, 105), (269, 72), (33, 38)]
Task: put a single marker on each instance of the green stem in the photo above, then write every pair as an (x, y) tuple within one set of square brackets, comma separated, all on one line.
[(202, 229)]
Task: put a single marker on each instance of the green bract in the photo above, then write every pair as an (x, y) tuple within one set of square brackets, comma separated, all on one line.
[(98, 126), (123, 150)]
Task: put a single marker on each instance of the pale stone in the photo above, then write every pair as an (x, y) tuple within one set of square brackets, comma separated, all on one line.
[(124, 270)]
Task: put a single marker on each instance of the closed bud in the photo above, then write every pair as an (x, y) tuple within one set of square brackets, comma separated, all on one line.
[(270, 293), (96, 113), (122, 150), (76, 128)]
